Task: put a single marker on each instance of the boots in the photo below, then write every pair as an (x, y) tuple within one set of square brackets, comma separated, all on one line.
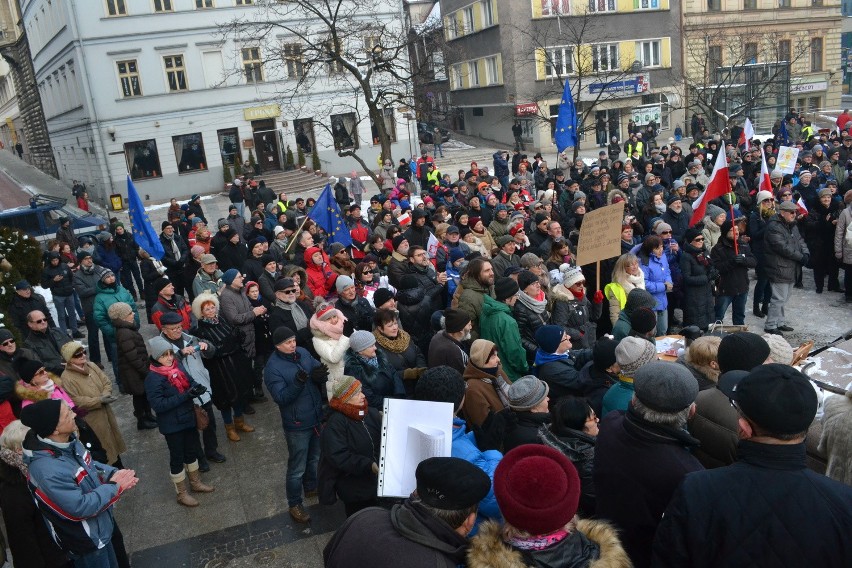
[(241, 425), (183, 497), (231, 432), (195, 482)]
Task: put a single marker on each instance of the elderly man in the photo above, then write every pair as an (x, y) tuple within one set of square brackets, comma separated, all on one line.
[(730, 516), (451, 346), (169, 302), (784, 251), (46, 342), (208, 277), (177, 253), (10, 352), (25, 301), (288, 311), (641, 456), (237, 310)]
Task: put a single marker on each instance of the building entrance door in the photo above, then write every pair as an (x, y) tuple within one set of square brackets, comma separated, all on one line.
[(266, 144)]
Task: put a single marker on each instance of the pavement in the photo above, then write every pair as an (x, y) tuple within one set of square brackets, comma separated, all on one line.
[(245, 521)]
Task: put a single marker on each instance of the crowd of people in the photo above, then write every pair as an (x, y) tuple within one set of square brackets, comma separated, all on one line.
[(573, 443)]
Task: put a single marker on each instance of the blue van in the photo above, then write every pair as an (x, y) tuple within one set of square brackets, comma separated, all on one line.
[(40, 219)]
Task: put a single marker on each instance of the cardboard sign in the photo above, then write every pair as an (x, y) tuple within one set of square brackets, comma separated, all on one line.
[(600, 234), (787, 157)]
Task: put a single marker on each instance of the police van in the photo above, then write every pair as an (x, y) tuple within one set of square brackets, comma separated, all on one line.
[(40, 219)]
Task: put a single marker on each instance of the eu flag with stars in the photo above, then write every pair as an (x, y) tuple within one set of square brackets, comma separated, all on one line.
[(144, 233), (783, 131), (326, 214), (566, 121)]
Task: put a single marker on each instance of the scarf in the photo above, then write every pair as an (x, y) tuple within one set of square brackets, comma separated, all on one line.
[(536, 306), (496, 381), (578, 295), (398, 345), (176, 377), (300, 318), (213, 321), (351, 411), (334, 332), (542, 358), (629, 282), (15, 460), (175, 248), (538, 542), (370, 361)]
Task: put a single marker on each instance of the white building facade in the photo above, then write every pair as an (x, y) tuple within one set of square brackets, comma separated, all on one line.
[(150, 88)]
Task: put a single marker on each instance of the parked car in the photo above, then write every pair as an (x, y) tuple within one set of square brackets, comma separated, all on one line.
[(40, 219), (425, 133)]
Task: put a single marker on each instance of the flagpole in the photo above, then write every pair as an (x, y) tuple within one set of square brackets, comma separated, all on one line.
[(734, 223), (293, 240)]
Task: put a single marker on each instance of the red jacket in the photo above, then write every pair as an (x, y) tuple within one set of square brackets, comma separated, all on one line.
[(359, 233), (160, 307), (321, 279)]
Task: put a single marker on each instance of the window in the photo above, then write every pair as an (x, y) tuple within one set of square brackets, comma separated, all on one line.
[(784, 3), (605, 57), (204, 4), (492, 71), (229, 146), (452, 27), (750, 4), (714, 5), (244, 2), (467, 19), (648, 53), (163, 6), (189, 152), (555, 7), (439, 71), (142, 158), (714, 58), (390, 126), (344, 131), (334, 67), (116, 8), (816, 54), (558, 61), (750, 53), (456, 79), (646, 4), (487, 14), (473, 71), (252, 65), (477, 111), (304, 129), (785, 50), (599, 6), (128, 76), (294, 60), (175, 72)]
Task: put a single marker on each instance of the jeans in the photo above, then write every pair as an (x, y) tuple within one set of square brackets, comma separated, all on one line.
[(303, 449), (780, 295), (184, 448), (66, 313), (762, 288), (128, 273), (228, 414), (739, 301), (241, 208), (662, 322), (101, 558), (439, 149)]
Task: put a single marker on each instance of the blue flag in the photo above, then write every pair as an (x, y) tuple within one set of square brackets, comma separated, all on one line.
[(326, 214), (566, 122), (783, 132), (143, 231)]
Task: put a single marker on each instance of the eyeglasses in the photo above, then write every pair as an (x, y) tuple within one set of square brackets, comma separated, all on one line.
[(290, 291), (698, 239), (40, 321), (8, 342)]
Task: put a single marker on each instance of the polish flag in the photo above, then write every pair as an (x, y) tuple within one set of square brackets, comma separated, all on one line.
[(746, 135), (432, 246), (765, 183), (803, 209), (404, 220), (718, 186)]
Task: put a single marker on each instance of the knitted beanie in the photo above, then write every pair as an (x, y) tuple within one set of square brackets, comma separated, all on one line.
[(119, 311), (571, 275), (345, 387), (548, 337), (42, 416), (360, 340), (343, 282), (455, 320), (779, 349), (632, 353), (440, 384), (742, 351), (643, 320), (229, 276), (527, 392), (505, 288), (381, 297), (526, 278)]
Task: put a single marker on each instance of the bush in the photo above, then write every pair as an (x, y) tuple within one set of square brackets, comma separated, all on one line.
[(289, 157), (251, 161), (300, 156), (315, 161), (20, 257), (238, 168), (226, 173)]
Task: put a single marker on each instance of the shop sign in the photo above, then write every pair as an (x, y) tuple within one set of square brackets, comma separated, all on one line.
[(526, 109), (628, 87), (808, 87), (262, 112)]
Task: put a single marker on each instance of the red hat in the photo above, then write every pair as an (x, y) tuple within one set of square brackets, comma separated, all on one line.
[(514, 230), (474, 220), (537, 489)]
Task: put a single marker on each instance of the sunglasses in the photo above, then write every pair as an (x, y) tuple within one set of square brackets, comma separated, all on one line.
[(40, 321), (290, 291), (698, 239), (79, 354), (8, 342), (666, 233)]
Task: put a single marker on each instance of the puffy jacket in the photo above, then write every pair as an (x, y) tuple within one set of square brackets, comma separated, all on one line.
[(416, 307), (657, 273), (300, 403), (378, 383), (107, 296), (571, 313), (321, 279), (578, 447), (180, 307), (126, 247), (522, 427), (132, 357), (464, 447), (501, 166), (784, 248), (471, 300), (498, 326), (237, 311), (352, 447), (108, 258), (359, 314), (174, 409), (734, 277), (73, 493)]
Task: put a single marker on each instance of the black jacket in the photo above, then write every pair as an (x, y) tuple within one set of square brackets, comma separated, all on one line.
[(19, 307), (416, 307), (377, 383), (578, 447), (733, 277), (351, 447), (784, 248), (232, 256), (595, 383), (62, 288), (359, 314), (279, 317), (126, 247), (767, 509), (174, 264), (528, 323), (697, 288), (522, 427), (563, 375)]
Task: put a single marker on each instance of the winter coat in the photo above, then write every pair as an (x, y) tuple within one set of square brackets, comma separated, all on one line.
[(107, 296), (735, 515), (86, 390), (528, 323), (7, 363), (175, 412), (464, 447), (321, 279), (842, 246), (562, 373), (819, 233), (638, 466), (498, 326), (501, 261), (232, 256), (179, 306), (132, 357), (19, 307), (711, 233), (237, 310), (836, 439), (377, 383), (522, 427), (86, 286), (280, 317), (481, 396), (444, 350), (48, 348), (204, 282), (299, 402), (571, 313), (64, 287), (351, 447), (592, 544), (359, 314), (578, 447), (733, 277), (471, 301), (72, 493), (108, 258), (227, 364), (595, 384), (784, 248), (193, 364), (657, 273), (416, 307), (401, 354), (126, 247), (174, 263), (698, 304), (714, 424)]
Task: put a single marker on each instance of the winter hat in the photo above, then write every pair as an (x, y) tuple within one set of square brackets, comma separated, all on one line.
[(335, 248), (527, 392), (776, 174), (266, 259), (742, 350), (632, 353), (67, 351), (576, 205), (207, 259), (360, 340), (27, 368), (665, 387), (397, 240), (455, 320), (440, 384), (525, 278), (5, 335), (537, 489), (343, 282), (690, 234), (22, 285), (164, 224), (223, 223), (277, 230), (726, 227), (672, 198), (824, 192), (480, 352), (451, 483), (787, 206), (639, 298), (106, 273), (571, 275), (196, 250), (381, 297), (119, 311), (603, 353), (164, 281), (408, 282), (104, 236), (326, 311), (548, 337), (503, 240), (677, 184), (345, 387), (282, 334), (456, 254), (229, 276), (643, 320), (662, 227), (42, 416), (847, 197), (779, 349), (171, 318), (762, 196), (511, 269), (505, 288), (157, 346)]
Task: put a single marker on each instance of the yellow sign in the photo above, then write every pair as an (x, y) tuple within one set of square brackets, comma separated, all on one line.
[(116, 202), (600, 234), (261, 112)]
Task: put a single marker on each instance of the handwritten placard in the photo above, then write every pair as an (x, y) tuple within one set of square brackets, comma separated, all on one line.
[(600, 234), (787, 157)]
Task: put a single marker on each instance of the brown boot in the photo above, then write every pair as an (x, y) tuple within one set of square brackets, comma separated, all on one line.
[(299, 514), (241, 425), (231, 432), (195, 482), (183, 497)]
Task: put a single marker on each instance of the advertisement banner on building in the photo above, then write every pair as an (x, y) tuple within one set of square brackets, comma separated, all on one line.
[(526, 109), (643, 115), (627, 87), (262, 112)]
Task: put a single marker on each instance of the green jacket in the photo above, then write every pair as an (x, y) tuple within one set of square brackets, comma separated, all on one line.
[(498, 325), (107, 296)]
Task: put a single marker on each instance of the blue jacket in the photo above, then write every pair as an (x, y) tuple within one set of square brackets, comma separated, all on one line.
[(657, 273), (300, 402), (174, 409), (464, 447), (501, 166), (72, 493), (109, 259)]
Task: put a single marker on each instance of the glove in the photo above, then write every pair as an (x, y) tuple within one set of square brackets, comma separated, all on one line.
[(740, 259), (320, 374), (598, 297), (197, 390), (301, 376), (806, 259), (375, 467), (108, 399), (413, 374)]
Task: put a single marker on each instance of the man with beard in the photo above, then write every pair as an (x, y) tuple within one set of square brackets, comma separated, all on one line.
[(676, 216), (175, 257), (289, 312), (168, 301), (421, 268), (220, 239), (451, 346), (478, 282)]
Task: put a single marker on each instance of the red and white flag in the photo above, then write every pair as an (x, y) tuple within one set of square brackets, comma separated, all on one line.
[(718, 186), (746, 135), (404, 220), (432, 246), (803, 209), (765, 183)]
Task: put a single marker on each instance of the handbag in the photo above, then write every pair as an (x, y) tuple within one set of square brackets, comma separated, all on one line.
[(202, 420)]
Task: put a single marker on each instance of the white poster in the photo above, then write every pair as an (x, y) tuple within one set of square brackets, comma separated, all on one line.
[(412, 431), (787, 157)]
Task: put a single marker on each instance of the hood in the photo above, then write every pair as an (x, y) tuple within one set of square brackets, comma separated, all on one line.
[(26, 391), (710, 226), (479, 351), (475, 285), (491, 307), (612, 195), (309, 253)]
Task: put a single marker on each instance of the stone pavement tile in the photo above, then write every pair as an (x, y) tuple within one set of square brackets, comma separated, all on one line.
[(305, 553)]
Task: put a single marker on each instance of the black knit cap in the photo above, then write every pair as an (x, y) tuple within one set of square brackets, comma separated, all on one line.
[(603, 353), (455, 320), (27, 368), (505, 288), (42, 416), (643, 319), (525, 278), (743, 351), (440, 384), (161, 283), (450, 483), (381, 297), (282, 334)]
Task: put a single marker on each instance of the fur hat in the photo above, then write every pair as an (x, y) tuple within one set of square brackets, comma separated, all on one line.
[(119, 311), (690, 234), (632, 353), (204, 298)]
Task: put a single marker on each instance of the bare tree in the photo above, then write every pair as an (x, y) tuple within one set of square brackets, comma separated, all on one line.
[(343, 59)]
